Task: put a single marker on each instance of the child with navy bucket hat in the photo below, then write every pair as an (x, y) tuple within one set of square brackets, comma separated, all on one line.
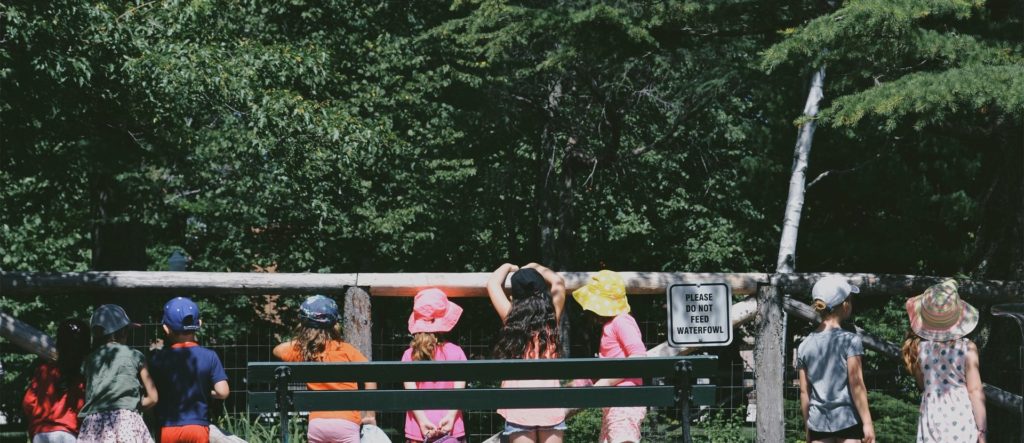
[(117, 383), (187, 376), (833, 397), (318, 339)]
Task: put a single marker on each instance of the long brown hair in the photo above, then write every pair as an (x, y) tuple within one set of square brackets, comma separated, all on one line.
[(310, 343), (910, 356), (424, 344)]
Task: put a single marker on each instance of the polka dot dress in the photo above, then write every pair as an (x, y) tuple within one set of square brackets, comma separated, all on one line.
[(946, 414)]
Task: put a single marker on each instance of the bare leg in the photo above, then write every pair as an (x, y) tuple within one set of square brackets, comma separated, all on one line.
[(550, 436)]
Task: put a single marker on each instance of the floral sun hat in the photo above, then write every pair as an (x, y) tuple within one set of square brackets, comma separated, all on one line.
[(940, 315), (433, 312), (605, 294)]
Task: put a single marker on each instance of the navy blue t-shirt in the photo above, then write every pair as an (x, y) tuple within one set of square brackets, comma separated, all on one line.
[(184, 374)]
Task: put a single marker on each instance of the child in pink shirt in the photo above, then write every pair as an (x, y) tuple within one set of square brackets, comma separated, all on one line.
[(604, 302), (529, 331), (433, 315)]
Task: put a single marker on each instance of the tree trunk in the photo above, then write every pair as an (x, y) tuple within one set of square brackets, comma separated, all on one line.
[(786, 261), (770, 345)]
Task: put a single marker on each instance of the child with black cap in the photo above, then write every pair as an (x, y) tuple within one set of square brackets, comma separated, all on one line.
[(529, 331), (317, 338), (115, 376), (187, 376)]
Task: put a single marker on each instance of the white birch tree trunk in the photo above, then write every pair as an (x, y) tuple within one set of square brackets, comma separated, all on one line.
[(770, 345)]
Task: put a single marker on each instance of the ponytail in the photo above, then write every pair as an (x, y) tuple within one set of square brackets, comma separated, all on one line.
[(821, 308), (423, 346), (909, 350)]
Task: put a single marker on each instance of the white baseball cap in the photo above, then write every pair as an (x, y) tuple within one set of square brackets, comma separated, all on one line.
[(833, 290)]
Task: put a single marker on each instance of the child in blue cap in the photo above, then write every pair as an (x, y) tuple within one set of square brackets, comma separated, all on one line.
[(187, 376), (317, 338)]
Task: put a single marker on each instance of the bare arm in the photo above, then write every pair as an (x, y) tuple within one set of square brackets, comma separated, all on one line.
[(221, 390), (150, 399), (805, 399), (282, 349), (976, 390), (370, 417), (496, 290), (860, 396), (557, 286)]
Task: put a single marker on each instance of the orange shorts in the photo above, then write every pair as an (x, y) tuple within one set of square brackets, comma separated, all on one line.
[(185, 434)]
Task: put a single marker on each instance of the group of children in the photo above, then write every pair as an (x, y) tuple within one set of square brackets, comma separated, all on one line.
[(944, 363), (94, 393), (97, 395)]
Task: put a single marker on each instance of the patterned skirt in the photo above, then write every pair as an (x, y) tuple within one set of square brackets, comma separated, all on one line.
[(120, 426)]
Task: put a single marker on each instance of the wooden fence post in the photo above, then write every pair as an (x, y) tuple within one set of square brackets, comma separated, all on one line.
[(769, 365), (27, 337), (357, 323)]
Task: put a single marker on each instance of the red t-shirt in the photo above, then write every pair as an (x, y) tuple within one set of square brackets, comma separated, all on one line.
[(48, 405)]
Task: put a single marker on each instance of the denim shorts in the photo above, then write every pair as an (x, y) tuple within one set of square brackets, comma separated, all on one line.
[(512, 428)]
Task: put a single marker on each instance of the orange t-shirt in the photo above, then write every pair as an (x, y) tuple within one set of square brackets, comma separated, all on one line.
[(336, 351)]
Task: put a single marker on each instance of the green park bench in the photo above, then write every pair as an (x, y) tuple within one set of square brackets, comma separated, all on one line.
[(269, 385)]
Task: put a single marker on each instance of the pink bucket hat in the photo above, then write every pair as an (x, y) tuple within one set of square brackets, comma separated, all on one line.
[(433, 312), (940, 315)]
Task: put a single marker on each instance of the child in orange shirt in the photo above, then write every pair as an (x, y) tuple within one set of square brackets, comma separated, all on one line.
[(318, 339)]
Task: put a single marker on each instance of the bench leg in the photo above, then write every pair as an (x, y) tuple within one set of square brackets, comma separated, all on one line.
[(282, 375), (682, 381)]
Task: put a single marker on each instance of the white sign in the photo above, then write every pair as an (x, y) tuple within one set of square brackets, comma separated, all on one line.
[(699, 315)]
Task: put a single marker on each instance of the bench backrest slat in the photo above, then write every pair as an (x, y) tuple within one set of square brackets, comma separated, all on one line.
[(470, 399), (482, 370)]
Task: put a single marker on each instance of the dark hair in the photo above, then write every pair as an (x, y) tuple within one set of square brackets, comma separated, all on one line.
[(72, 347), (99, 338), (311, 343), (530, 326), (590, 330)]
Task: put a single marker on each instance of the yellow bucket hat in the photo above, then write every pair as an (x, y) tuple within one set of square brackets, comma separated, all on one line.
[(605, 294)]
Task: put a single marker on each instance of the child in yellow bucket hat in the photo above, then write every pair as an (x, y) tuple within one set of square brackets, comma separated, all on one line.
[(605, 306)]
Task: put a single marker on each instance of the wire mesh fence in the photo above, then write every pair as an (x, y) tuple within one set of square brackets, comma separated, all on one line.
[(240, 336)]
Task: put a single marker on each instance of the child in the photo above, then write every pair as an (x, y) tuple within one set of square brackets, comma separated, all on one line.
[(606, 308), (529, 331), (187, 376), (57, 390), (945, 365), (433, 316), (117, 383), (317, 338), (833, 398)]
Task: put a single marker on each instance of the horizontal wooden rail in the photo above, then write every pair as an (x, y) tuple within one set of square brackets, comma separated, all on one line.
[(470, 284), (465, 284)]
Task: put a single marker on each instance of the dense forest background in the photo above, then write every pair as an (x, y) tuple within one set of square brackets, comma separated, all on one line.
[(343, 136)]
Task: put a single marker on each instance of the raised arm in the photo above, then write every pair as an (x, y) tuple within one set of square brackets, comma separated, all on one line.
[(976, 391), (557, 284), (496, 290)]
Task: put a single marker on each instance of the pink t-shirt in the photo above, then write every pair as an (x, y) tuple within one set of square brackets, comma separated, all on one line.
[(534, 417), (620, 338), (447, 351)]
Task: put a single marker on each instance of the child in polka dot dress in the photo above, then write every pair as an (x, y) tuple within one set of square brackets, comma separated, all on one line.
[(945, 365)]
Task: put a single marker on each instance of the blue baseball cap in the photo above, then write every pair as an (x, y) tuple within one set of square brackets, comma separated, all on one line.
[(319, 312), (181, 315)]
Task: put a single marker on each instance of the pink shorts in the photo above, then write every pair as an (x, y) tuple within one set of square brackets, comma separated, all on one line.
[(332, 430), (622, 424)]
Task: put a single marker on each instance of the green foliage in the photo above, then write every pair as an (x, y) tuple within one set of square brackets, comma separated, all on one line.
[(584, 427), (724, 426)]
